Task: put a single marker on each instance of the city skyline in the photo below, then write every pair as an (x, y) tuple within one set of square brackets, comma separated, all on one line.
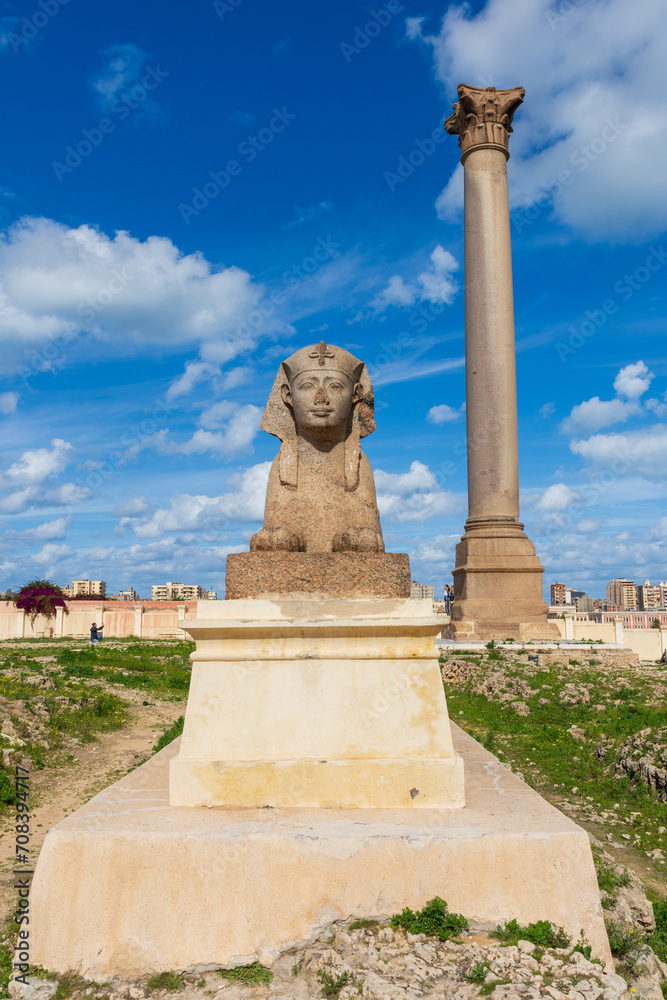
[(200, 197)]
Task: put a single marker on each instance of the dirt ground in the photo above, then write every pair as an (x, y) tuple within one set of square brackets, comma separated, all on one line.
[(56, 792)]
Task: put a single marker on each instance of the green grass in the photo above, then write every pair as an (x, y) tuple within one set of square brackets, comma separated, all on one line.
[(487, 988), (658, 939), (549, 757), (161, 668), (540, 933), (364, 924), (169, 735), (332, 984), (434, 919), (247, 975), (478, 972), (170, 981), (609, 879)]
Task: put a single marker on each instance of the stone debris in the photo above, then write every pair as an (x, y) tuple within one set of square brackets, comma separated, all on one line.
[(378, 963), (642, 756)]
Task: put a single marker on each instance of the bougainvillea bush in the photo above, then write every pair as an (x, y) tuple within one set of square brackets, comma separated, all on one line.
[(40, 597)]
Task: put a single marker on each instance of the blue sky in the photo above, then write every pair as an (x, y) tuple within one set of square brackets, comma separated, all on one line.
[(187, 200)]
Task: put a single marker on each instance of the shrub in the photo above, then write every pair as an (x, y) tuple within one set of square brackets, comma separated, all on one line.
[(540, 933), (434, 919), (40, 597)]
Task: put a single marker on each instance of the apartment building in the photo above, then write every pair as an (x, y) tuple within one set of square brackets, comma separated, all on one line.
[(622, 593), (86, 588), (178, 592), (558, 594), (422, 590)]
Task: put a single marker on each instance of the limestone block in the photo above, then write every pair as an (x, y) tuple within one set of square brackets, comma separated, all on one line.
[(129, 885), (331, 704)]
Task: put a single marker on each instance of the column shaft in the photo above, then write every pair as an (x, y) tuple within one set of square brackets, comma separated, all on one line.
[(491, 414)]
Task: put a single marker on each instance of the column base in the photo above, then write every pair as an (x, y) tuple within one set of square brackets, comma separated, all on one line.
[(498, 584)]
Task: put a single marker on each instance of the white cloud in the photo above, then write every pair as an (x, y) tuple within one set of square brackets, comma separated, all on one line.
[(126, 293), (419, 477), (8, 401), (414, 495), (594, 414), (435, 284), (642, 452), (633, 380), (49, 531), (548, 409), (35, 466), (582, 71), (134, 507), (589, 526), (239, 428), (210, 514), (557, 497), (51, 555), (195, 372), (444, 414), (439, 549)]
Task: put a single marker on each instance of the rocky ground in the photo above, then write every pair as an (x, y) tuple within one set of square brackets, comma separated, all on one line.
[(583, 733)]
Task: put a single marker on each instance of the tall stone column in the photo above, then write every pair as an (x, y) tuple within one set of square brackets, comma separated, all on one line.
[(498, 577)]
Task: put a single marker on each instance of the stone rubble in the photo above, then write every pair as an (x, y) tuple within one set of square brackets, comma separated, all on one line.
[(382, 964)]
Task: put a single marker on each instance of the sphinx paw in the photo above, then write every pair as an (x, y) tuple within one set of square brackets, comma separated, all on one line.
[(275, 540), (358, 540)]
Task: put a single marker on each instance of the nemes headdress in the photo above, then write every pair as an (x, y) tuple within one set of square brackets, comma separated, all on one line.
[(278, 418)]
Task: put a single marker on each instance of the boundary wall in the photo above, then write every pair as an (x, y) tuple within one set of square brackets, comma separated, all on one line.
[(121, 619)]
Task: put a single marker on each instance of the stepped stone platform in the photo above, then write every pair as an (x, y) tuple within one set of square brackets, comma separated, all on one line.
[(120, 883)]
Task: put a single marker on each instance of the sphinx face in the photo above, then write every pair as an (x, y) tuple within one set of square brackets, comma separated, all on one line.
[(321, 403)]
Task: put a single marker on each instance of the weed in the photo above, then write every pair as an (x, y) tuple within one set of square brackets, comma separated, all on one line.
[(610, 881), (169, 735), (247, 975), (333, 984), (69, 984), (364, 924), (540, 933), (170, 981), (434, 919), (477, 973), (623, 939), (296, 969), (200, 983), (658, 939), (487, 989)]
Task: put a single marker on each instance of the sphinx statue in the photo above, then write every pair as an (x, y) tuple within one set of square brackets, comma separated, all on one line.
[(321, 493)]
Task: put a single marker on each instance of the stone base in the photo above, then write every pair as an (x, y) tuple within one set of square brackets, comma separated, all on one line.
[(316, 704), (129, 886), (498, 585), (317, 575)]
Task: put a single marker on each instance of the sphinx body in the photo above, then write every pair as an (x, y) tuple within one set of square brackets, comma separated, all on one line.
[(321, 493)]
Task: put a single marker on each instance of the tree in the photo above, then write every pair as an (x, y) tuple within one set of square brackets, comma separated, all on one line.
[(655, 623), (40, 597)]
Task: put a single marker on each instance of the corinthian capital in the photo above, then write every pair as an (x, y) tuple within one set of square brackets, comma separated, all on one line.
[(483, 117)]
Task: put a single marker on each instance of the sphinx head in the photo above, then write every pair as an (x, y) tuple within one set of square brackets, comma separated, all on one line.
[(322, 393)]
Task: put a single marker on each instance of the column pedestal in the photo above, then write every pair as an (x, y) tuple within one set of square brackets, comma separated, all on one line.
[(316, 704), (498, 585)]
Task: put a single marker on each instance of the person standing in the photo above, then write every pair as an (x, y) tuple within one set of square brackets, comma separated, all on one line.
[(448, 599)]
